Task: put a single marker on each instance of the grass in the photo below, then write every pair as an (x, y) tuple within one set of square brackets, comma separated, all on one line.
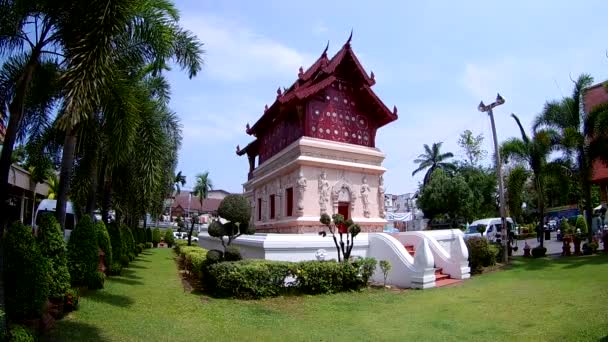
[(548, 300)]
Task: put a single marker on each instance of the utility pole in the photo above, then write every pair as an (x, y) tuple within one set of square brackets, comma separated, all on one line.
[(501, 194)]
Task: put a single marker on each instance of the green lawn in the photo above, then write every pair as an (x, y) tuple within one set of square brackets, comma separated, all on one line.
[(535, 300)]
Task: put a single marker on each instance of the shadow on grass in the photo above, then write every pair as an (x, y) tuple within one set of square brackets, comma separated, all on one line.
[(112, 299), (129, 273), (66, 330), (126, 281), (563, 262), (137, 266)]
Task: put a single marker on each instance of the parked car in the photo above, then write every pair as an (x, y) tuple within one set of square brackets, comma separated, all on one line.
[(493, 227), (49, 206)]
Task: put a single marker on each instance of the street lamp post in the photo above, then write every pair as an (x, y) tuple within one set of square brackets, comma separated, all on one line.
[(501, 194)]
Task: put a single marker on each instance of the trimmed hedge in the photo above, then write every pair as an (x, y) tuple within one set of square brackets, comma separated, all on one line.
[(155, 237), (25, 274), (480, 254), (128, 242), (103, 241), (116, 241), (252, 279), (169, 238), (83, 252), (52, 246), (179, 244)]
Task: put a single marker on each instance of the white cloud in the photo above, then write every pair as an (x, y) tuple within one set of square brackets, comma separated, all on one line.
[(237, 53)]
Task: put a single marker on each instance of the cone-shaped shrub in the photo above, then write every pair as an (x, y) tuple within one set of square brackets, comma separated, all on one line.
[(148, 235), (169, 238), (116, 242), (155, 236), (103, 241), (128, 242), (52, 246), (83, 252), (25, 274)]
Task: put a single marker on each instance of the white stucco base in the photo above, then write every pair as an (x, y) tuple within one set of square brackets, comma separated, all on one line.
[(434, 249)]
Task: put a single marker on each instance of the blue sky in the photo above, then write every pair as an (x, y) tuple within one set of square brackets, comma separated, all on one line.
[(434, 60)]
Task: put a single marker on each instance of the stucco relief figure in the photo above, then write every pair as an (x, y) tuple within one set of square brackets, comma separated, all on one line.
[(301, 187), (365, 190), (324, 190), (381, 209), (279, 207)]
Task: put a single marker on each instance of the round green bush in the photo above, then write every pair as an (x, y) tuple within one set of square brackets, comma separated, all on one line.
[(480, 254), (96, 281), (214, 256), (216, 229), (155, 236), (148, 235), (52, 246), (83, 252), (116, 241), (115, 268), (232, 254), (19, 333), (539, 252), (169, 238), (25, 274), (235, 208), (103, 241)]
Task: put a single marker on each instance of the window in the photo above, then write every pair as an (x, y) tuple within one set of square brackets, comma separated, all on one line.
[(271, 207), (289, 196), (259, 209)]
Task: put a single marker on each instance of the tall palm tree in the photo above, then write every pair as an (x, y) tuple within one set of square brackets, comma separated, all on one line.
[(110, 40), (178, 181), (534, 153), (53, 186), (583, 136), (433, 159), (201, 190)]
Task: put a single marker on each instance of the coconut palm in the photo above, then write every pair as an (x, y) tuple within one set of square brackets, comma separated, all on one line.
[(201, 190), (178, 181), (575, 127), (433, 159), (534, 153)]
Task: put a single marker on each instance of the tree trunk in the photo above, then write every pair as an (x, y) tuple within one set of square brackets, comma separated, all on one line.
[(585, 172), (92, 195), (65, 175), (33, 203), (541, 211), (106, 199)]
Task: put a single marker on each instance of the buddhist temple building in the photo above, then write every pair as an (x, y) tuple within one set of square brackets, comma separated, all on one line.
[(594, 96), (314, 150)]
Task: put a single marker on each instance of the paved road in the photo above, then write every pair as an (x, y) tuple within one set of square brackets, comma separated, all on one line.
[(553, 246)]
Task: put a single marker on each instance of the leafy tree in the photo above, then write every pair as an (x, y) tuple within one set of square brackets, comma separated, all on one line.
[(385, 266), (533, 152), (83, 253), (25, 274), (482, 182), (431, 160), (201, 190), (516, 182), (472, 146), (236, 211), (52, 246), (447, 196), (583, 137)]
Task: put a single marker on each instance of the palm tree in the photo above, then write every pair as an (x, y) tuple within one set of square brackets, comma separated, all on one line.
[(53, 186), (107, 43), (433, 159), (534, 153), (201, 190), (178, 181), (575, 128)]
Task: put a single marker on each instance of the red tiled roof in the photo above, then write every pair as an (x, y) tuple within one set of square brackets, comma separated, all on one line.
[(209, 205), (594, 96)]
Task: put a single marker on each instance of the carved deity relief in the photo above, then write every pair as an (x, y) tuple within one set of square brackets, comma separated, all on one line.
[(264, 203), (365, 190), (279, 205), (301, 188), (324, 190), (381, 208)]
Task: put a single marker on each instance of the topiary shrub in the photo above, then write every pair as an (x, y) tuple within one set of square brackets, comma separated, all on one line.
[(232, 254), (141, 236), (169, 238), (565, 227), (115, 269), (236, 210), (148, 245), (103, 241), (124, 260), (138, 249), (19, 333), (96, 281), (480, 254), (83, 252), (128, 242), (116, 242), (148, 235), (581, 224), (52, 246), (539, 252), (25, 274), (155, 237)]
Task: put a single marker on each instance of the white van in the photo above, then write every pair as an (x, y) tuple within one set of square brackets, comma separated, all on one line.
[(49, 206), (493, 227)]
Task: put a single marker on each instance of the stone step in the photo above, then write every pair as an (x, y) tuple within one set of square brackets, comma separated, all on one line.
[(441, 276), (410, 249), (447, 282)]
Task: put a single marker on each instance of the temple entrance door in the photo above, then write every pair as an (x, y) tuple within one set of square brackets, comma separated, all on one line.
[(343, 208)]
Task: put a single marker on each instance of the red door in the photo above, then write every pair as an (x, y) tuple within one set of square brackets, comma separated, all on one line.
[(343, 210)]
